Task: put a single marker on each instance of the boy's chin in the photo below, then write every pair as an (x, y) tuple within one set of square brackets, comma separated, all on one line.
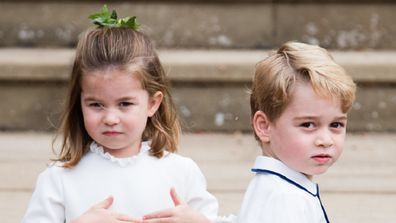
[(315, 173)]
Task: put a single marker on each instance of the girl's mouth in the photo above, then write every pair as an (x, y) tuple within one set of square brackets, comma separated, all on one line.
[(111, 133)]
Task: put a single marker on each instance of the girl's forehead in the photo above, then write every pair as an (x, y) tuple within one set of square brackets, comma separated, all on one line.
[(110, 74), (109, 90), (110, 79)]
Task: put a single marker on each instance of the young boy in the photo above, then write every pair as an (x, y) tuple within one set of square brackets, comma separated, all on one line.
[(299, 103)]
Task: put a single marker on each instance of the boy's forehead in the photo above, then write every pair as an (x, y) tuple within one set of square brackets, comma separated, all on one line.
[(305, 97), (310, 90)]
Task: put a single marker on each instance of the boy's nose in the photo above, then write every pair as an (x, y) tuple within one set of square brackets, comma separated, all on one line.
[(324, 139)]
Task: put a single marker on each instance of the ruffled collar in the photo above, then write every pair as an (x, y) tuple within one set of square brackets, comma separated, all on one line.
[(123, 162)]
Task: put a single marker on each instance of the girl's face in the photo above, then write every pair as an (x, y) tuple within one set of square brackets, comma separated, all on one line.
[(115, 108), (310, 133)]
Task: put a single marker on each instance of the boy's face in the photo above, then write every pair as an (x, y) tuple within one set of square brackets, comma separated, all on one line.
[(310, 133)]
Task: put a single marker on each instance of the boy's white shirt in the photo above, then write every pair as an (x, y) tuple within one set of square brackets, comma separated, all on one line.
[(273, 196), (139, 185)]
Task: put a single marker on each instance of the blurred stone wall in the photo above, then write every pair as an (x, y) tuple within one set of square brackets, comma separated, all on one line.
[(227, 24)]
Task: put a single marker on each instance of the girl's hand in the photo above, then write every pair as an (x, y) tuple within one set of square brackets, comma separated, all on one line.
[(181, 213), (99, 213)]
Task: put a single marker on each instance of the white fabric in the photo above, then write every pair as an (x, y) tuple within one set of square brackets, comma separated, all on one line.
[(139, 185), (226, 219), (270, 198)]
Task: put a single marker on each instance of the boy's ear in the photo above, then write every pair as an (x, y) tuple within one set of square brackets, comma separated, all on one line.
[(154, 103), (261, 126)]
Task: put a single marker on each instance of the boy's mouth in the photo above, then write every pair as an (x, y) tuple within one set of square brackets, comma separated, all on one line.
[(321, 158)]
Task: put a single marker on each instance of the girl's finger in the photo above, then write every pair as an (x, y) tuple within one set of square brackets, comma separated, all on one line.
[(159, 214), (159, 220), (176, 200), (106, 203), (126, 218)]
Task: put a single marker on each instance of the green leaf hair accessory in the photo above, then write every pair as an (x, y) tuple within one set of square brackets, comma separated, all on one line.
[(106, 19)]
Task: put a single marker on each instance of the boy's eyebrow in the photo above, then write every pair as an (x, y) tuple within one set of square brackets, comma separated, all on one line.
[(303, 118), (308, 117), (341, 118)]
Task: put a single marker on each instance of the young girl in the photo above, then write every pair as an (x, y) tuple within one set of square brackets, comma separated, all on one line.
[(119, 134)]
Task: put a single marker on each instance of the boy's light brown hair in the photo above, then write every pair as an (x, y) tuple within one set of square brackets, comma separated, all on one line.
[(126, 50), (276, 75)]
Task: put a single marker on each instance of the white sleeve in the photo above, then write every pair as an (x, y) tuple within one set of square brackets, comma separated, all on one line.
[(197, 196), (46, 204)]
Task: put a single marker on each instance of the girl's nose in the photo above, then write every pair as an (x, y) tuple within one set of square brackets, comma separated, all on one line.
[(111, 117)]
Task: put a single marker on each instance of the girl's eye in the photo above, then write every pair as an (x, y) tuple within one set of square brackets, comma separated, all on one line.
[(308, 125), (95, 105), (337, 125), (125, 104)]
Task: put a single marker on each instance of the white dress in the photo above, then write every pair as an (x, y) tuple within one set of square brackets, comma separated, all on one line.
[(139, 185), (280, 194)]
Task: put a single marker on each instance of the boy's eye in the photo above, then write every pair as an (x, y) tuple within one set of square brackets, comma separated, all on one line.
[(308, 125), (337, 125)]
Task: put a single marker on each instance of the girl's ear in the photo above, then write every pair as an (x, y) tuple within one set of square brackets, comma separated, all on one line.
[(154, 103), (261, 126)]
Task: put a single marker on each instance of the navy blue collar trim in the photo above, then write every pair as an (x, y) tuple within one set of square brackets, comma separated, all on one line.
[(297, 185), (286, 179)]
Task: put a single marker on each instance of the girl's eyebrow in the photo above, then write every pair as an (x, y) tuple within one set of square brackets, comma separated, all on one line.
[(93, 98), (90, 98), (127, 98)]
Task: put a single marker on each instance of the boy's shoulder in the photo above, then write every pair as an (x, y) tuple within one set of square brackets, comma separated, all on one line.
[(276, 192), (274, 186), (274, 177)]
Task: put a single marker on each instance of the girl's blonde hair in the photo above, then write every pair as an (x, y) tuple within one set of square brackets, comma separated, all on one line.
[(276, 75), (130, 51)]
